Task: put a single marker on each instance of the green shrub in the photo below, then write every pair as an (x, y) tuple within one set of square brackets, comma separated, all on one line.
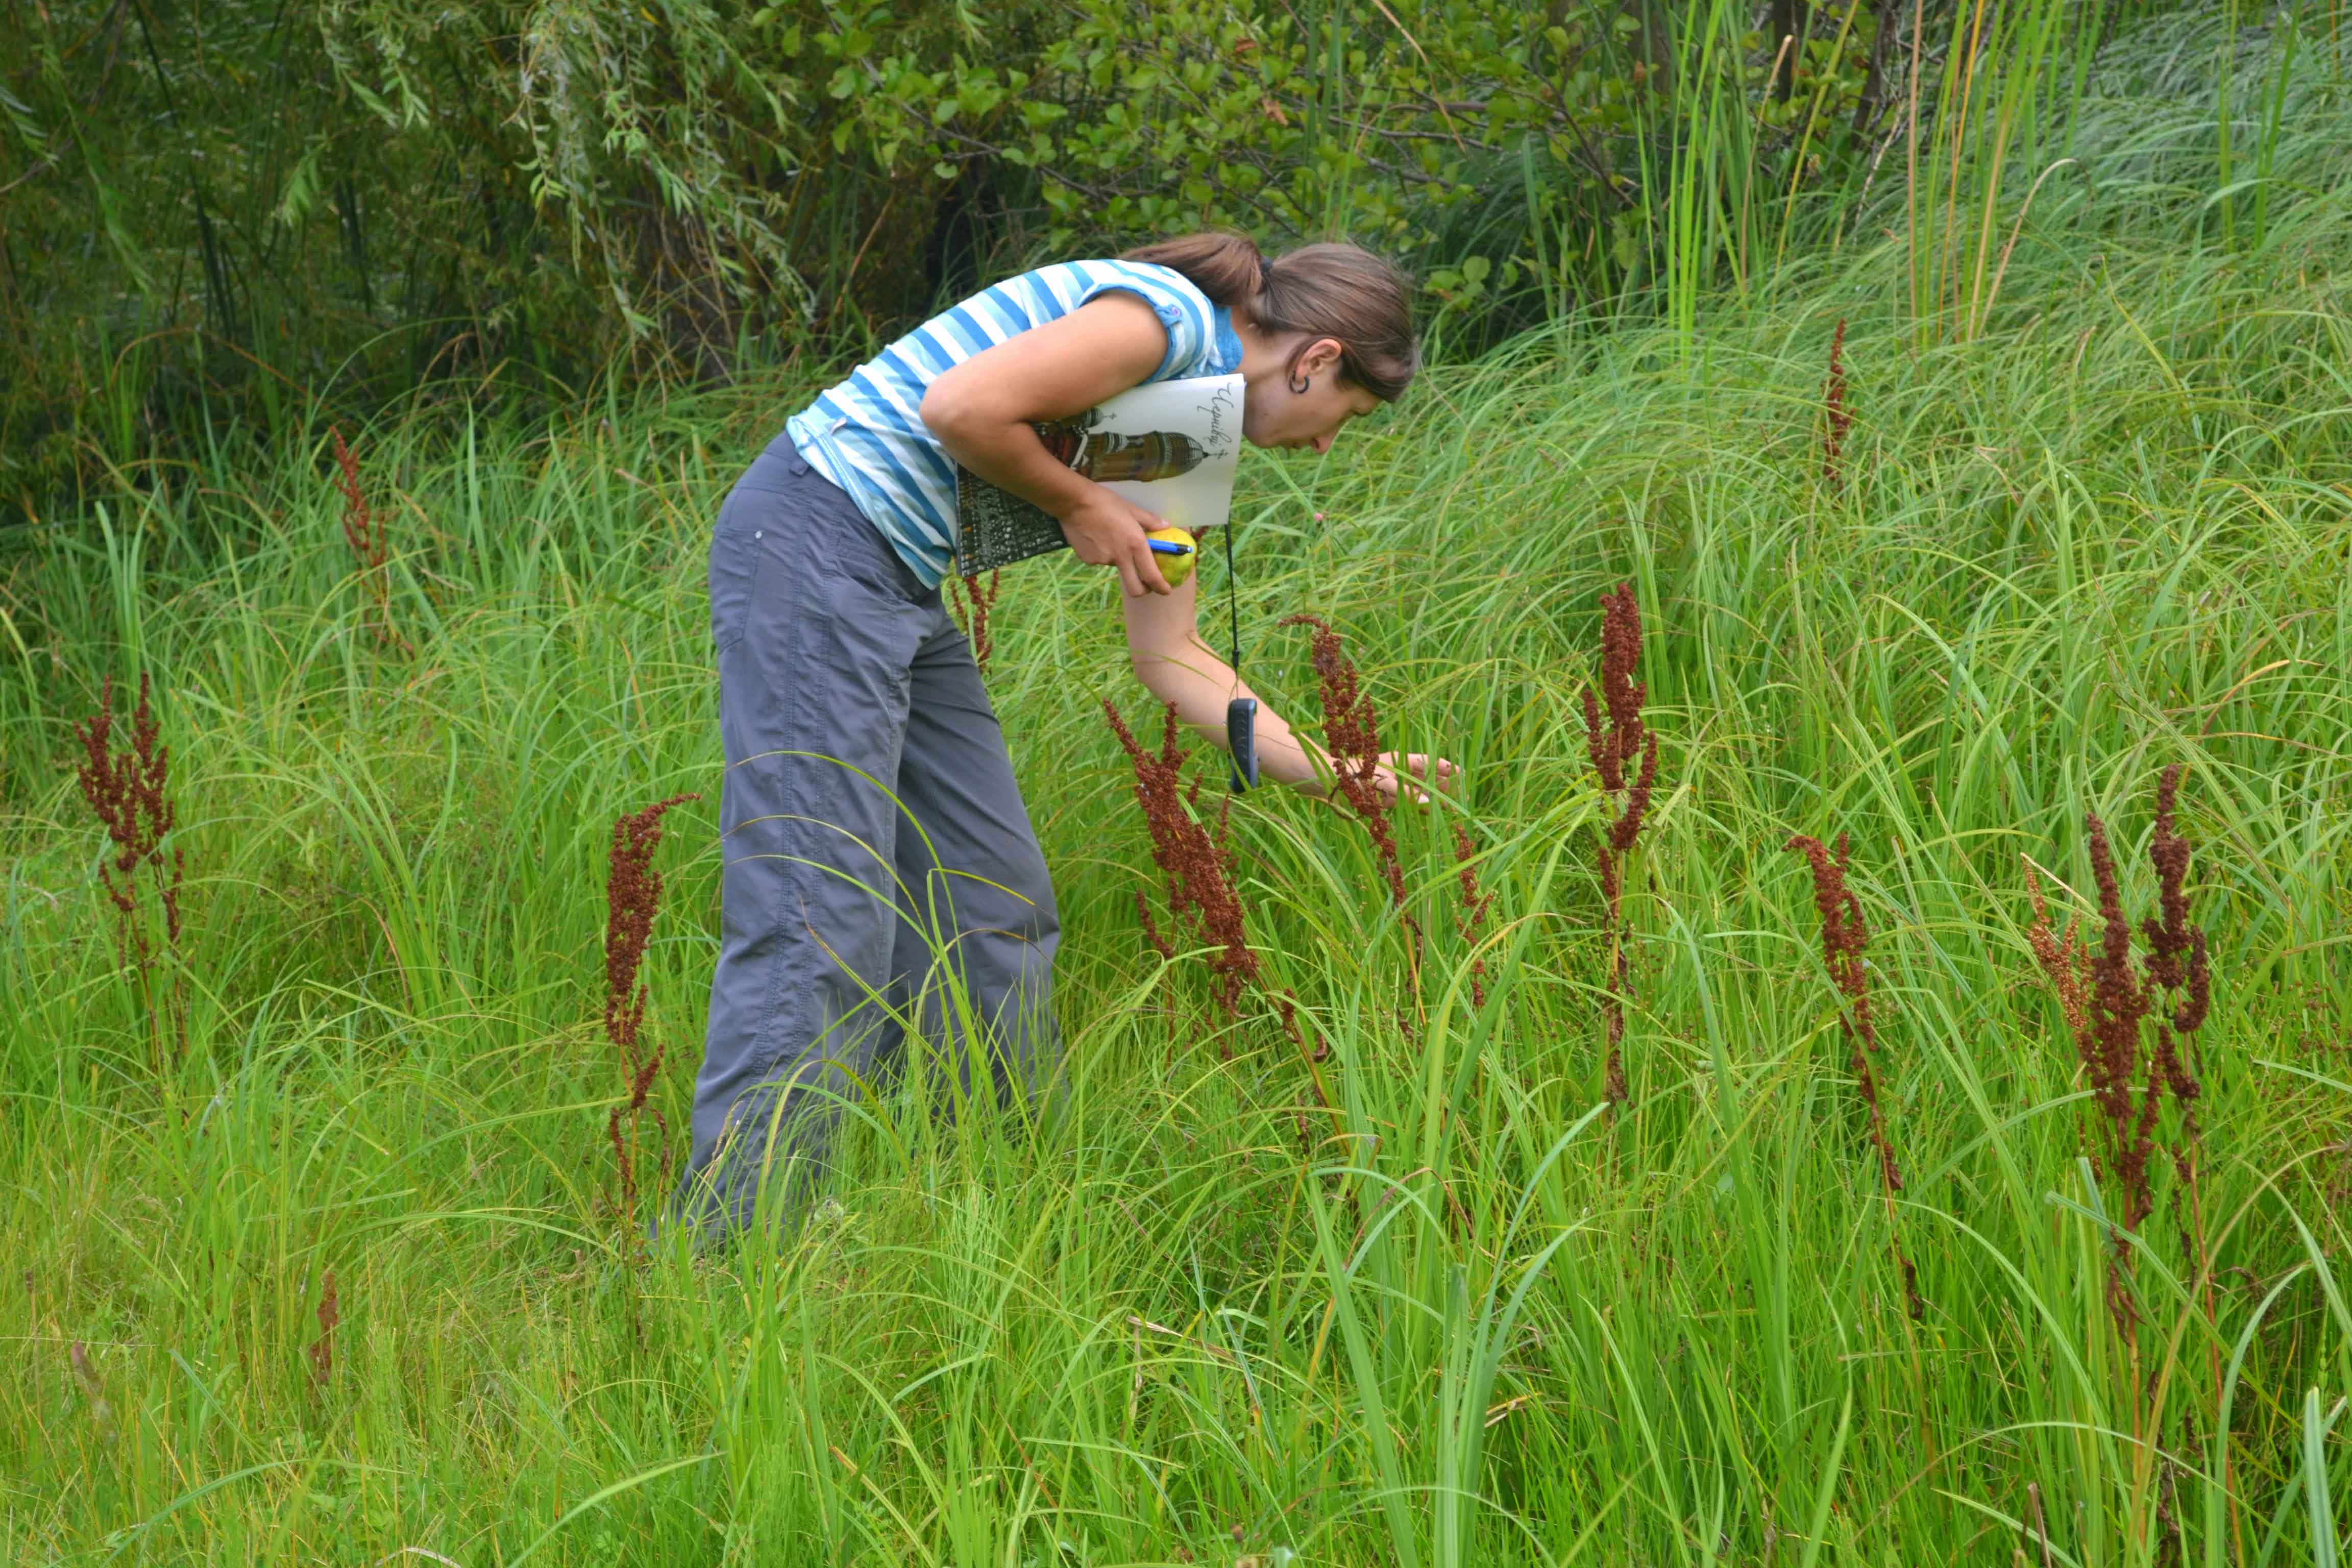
[(245, 209)]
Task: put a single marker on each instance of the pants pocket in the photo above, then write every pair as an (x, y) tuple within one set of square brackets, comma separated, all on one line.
[(737, 550)]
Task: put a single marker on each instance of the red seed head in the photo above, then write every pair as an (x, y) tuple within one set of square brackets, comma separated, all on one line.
[(130, 793), (1627, 825), (1833, 403), (1473, 913), (322, 1348), (970, 603), (1621, 694), (1612, 747), (632, 890), (2168, 932), (2064, 960), (2177, 957), (1351, 729), (1844, 936), (360, 529), (1195, 870), (2117, 1000)]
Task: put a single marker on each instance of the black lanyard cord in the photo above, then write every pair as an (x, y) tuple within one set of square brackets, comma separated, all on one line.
[(1234, 599)]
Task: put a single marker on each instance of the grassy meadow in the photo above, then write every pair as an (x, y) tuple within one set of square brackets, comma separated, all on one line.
[(2094, 525)]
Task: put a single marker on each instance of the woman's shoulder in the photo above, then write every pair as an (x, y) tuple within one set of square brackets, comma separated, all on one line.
[(1187, 314), (1197, 335), (1080, 278)]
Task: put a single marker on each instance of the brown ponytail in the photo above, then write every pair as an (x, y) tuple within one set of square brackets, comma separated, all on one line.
[(1339, 291)]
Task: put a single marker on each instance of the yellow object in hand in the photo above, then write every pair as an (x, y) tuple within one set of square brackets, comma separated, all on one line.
[(1176, 564)]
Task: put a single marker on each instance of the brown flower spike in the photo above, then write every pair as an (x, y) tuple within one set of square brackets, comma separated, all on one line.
[(1351, 729), (1474, 908), (322, 1348), (1844, 938), (970, 603), (1195, 868), (2064, 959), (1612, 747), (1840, 419), (2176, 949), (632, 890), (1196, 878), (2109, 1046), (365, 532), (2106, 997), (129, 792), (2177, 964)]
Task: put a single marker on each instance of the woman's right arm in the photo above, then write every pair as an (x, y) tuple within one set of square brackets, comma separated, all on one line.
[(1163, 643), (983, 409)]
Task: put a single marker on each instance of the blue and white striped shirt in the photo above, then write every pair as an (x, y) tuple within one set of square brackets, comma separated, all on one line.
[(866, 435)]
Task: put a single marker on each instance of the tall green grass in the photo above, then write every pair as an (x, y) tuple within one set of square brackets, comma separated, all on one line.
[(1978, 108), (1472, 1319)]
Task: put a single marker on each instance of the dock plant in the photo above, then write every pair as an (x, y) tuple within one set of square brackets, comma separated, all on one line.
[(366, 535), (130, 790), (1351, 738), (633, 892), (1845, 940), (971, 601), (1195, 861), (1625, 754), (1837, 418)]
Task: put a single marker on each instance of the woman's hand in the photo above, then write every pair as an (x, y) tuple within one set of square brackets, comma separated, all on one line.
[(1386, 780), (1107, 529)]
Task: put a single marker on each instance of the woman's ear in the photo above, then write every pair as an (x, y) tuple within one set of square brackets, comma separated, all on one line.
[(1320, 355)]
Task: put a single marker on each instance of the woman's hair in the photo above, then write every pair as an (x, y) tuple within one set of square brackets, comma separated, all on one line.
[(1341, 291)]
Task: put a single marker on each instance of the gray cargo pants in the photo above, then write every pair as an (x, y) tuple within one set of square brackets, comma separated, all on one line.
[(880, 870)]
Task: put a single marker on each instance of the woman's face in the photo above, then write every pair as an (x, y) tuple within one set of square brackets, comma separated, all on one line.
[(1274, 415)]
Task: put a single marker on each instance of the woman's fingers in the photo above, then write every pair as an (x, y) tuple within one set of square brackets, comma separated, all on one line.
[(1391, 782), (1105, 531), (1139, 575), (1422, 766), (1147, 568), (1147, 565)]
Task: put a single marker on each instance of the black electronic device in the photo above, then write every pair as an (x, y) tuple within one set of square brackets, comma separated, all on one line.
[(1241, 737)]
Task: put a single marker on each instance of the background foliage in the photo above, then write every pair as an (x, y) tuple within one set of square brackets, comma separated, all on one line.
[(215, 213)]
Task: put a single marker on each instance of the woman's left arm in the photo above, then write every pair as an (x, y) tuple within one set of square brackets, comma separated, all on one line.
[(1163, 643)]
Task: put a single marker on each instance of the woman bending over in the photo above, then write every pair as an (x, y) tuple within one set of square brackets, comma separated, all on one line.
[(874, 835)]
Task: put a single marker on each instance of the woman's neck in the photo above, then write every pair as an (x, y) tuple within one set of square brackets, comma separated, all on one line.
[(1266, 356)]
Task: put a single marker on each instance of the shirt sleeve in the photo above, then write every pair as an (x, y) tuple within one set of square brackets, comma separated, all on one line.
[(1182, 309)]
